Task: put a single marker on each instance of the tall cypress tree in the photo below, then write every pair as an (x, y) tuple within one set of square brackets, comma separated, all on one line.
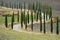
[(13, 17), (40, 18), (32, 7), (28, 12), (57, 28), (44, 23), (28, 16), (37, 11), (24, 12), (25, 21), (21, 17), (12, 21), (18, 17), (6, 22), (32, 20), (51, 20), (34, 11)]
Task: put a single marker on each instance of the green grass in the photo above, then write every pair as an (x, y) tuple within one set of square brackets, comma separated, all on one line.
[(2, 19), (6, 34)]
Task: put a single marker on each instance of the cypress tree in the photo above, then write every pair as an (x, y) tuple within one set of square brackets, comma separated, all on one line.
[(37, 16), (13, 17), (28, 16), (18, 17), (36, 11), (51, 21), (32, 7), (51, 26), (6, 22), (12, 21), (32, 20), (40, 23), (25, 21), (44, 23), (24, 12), (57, 28), (28, 12), (21, 17), (40, 18)]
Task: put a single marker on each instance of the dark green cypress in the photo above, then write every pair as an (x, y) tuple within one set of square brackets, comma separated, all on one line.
[(50, 12), (28, 16), (21, 17), (37, 11), (51, 20), (13, 17), (57, 28), (34, 10), (32, 20), (12, 21), (25, 21), (44, 23), (37, 16), (6, 21), (24, 12), (51, 25), (40, 23), (18, 17), (28, 12), (40, 18), (32, 7)]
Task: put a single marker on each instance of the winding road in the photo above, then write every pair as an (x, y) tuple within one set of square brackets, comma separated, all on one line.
[(36, 27)]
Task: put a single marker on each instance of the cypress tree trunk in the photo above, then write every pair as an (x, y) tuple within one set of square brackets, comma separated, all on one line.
[(18, 17), (44, 23), (6, 22), (57, 28)]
